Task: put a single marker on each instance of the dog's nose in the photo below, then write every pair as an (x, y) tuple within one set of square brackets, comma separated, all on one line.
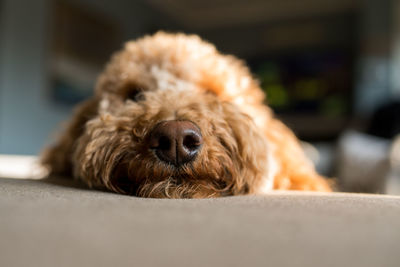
[(176, 142)]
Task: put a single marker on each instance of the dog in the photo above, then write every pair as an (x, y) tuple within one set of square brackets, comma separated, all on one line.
[(171, 117)]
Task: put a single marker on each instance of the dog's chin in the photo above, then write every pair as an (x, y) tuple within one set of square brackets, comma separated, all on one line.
[(172, 188), (165, 181)]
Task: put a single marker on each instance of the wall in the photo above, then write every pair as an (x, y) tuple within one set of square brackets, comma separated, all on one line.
[(373, 87), (27, 116)]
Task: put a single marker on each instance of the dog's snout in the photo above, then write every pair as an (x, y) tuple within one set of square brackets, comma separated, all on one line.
[(176, 142)]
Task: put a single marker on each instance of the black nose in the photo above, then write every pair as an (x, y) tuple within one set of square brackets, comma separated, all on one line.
[(176, 142)]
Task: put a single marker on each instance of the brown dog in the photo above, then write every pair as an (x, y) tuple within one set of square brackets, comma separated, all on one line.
[(172, 117)]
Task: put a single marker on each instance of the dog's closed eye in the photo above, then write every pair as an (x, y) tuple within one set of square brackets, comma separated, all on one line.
[(134, 93)]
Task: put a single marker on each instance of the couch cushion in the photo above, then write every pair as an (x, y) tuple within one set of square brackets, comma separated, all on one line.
[(57, 222)]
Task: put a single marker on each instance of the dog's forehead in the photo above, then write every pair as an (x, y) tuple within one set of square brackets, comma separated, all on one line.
[(180, 63), (183, 60), (165, 80)]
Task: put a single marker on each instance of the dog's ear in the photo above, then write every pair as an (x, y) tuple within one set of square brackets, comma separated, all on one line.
[(252, 152), (57, 158)]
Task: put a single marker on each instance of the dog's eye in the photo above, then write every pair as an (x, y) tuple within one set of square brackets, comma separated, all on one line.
[(135, 95)]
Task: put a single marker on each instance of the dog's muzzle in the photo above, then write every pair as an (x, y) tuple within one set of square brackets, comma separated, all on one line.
[(176, 142)]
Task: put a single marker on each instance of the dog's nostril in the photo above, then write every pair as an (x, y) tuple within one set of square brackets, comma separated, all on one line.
[(192, 141), (164, 143), (176, 142)]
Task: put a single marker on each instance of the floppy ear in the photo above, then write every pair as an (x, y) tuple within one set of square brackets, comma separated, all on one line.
[(57, 158), (251, 155), (296, 172)]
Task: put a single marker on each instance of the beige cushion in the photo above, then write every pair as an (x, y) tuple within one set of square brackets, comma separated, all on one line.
[(59, 223)]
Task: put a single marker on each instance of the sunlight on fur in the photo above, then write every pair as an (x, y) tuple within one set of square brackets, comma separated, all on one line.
[(173, 118)]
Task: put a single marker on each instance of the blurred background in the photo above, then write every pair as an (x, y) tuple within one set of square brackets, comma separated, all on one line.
[(331, 69)]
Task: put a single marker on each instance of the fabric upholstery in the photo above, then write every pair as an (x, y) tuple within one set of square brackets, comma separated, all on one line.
[(57, 222)]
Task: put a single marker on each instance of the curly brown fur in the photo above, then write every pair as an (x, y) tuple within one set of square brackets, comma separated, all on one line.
[(168, 77)]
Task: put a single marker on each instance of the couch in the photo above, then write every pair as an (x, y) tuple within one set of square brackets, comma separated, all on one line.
[(60, 222)]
